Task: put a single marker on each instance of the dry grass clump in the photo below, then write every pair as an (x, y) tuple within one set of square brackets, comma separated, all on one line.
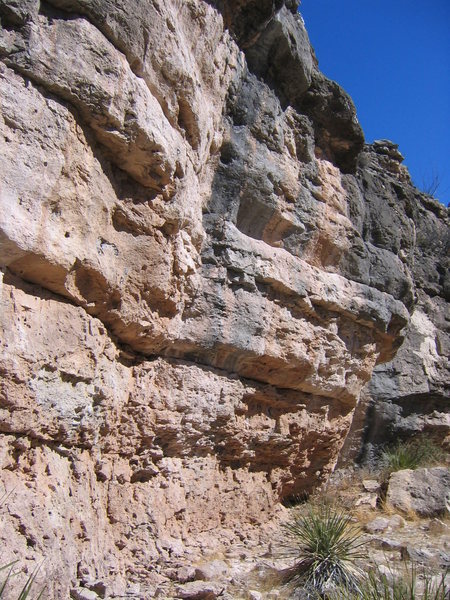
[(421, 451)]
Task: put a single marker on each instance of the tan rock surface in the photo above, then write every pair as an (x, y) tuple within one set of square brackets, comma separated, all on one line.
[(190, 302)]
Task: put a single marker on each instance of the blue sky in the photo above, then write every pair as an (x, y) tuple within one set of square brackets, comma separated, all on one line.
[(393, 58)]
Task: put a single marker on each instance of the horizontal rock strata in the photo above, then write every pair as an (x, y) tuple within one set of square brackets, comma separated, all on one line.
[(202, 265)]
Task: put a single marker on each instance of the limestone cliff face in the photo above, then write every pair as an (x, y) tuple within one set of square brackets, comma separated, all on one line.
[(202, 265)]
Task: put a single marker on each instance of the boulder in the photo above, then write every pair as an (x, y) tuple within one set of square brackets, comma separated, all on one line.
[(199, 590), (378, 525), (211, 571), (423, 491), (367, 500), (371, 485), (83, 594)]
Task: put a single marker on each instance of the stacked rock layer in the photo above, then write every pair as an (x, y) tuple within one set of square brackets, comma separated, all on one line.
[(202, 265)]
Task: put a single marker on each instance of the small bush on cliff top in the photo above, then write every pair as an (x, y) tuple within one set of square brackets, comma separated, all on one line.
[(324, 543)]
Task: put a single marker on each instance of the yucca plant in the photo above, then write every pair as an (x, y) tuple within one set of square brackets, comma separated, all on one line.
[(324, 543), (407, 586), (26, 590)]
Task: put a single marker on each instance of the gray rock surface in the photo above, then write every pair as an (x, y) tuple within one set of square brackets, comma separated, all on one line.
[(423, 491), (411, 394), (406, 235), (282, 57)]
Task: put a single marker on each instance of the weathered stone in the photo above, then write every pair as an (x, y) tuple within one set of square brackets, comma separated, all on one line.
[(211, 571), (248, 18), (388, 148), (282, 56), (381, 524), (426, 556), (371, 485), (83, 594), (388, 544), (408, 395), (367, 500), (377, 525), (339, 137), (437, 526), (128, 121), (186, 573), (199, 590), (423, 491), (201, 268), (396, 522), (18, 12), (254, 595), (189, 84)]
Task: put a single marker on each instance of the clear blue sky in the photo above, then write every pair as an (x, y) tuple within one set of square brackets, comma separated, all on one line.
[(393, 58)]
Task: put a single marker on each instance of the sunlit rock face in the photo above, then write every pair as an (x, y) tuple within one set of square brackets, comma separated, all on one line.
[(202, 267)]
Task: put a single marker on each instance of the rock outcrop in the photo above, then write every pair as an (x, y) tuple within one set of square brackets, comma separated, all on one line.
[(410, 394), (423, 491), (202, 265)]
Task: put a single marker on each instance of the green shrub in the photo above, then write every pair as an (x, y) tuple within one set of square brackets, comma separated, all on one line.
[(418, 452), (324, 544)]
